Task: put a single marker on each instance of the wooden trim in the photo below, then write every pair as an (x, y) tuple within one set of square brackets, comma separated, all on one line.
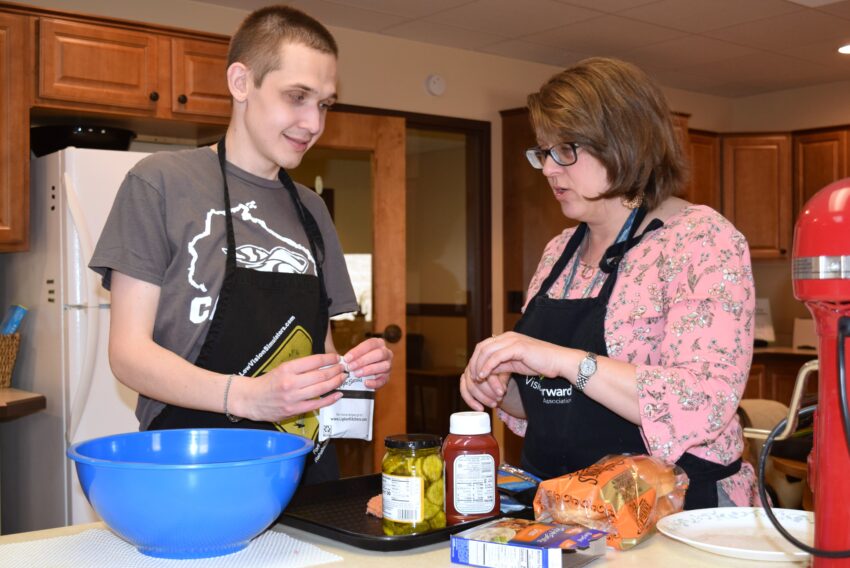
[(479, 235), (479, 208), (513, 111), (27, 10), (438, 310), (700, 132), (820, 129), (384, 137), (431, 121)]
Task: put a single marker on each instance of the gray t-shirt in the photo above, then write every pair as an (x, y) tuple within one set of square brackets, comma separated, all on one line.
[(167, 227)]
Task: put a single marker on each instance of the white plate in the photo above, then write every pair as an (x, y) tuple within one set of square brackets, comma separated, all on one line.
[(742, 532)]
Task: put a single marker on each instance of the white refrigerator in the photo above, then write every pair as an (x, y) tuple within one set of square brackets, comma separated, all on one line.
[(64, 336)]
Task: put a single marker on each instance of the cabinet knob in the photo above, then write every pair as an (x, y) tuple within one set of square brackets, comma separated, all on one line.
[(182, 99), (154, 96), (391, 334)]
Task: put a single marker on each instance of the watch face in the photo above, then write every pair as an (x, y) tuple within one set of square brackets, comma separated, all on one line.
[(587, 366)]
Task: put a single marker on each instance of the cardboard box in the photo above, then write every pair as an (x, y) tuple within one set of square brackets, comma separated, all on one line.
[(519, 543)]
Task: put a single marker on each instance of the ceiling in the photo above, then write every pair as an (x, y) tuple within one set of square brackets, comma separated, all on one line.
[(730, 48)]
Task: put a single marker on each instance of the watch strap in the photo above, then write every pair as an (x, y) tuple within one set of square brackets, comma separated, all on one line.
[(582, 379)]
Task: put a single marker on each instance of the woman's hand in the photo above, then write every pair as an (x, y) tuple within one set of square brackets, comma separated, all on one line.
[(483, 394), (513, 352), (371, 358)]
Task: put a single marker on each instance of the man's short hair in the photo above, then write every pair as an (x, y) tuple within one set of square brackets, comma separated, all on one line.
[(257, 41)]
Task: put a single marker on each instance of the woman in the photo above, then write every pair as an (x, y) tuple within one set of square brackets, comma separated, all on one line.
[(637, 335)]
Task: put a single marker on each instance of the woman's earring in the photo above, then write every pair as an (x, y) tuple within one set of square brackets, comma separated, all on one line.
[(634, 202)]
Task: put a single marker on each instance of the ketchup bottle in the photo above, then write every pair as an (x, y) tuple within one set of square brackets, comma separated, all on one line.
[(471, 455)]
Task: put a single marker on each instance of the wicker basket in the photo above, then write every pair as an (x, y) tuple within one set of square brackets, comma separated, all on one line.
[(8, 352)]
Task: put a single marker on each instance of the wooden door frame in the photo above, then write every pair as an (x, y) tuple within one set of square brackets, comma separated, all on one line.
[(384, 138), (479, 306)]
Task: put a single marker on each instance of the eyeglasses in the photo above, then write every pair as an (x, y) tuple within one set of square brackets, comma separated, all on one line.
[(563, 154)]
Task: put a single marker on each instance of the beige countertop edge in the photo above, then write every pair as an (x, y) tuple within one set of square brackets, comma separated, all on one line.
[(659, 550)]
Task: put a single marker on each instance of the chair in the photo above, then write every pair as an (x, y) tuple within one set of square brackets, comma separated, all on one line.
[(766, 414)]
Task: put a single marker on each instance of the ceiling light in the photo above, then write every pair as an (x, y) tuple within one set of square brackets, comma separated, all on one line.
[(845, 49)]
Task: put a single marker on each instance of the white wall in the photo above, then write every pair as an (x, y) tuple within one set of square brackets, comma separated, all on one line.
[(386, 72)]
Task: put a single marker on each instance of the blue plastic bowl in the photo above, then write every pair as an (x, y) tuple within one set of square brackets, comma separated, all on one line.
[(190, 493)]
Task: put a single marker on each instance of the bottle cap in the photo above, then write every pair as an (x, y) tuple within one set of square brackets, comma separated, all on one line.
[(469, 423), (412, 441)]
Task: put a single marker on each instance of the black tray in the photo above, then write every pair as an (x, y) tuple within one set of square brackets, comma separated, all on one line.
[(337, 510)]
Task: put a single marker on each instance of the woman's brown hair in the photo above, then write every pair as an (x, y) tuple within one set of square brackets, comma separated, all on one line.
[(617, 114), (257, 41)]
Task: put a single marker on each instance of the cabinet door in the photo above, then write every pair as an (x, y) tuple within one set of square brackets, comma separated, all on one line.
[(757, 191), (819, 159), (704, 185), (198, 81), (531, 215), (14, 136), (86, 63), (756, 387)]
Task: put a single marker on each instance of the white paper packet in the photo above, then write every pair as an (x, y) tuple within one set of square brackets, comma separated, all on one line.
[(350, 416)]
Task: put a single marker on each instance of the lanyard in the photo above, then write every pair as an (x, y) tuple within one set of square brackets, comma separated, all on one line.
[(621, 236)]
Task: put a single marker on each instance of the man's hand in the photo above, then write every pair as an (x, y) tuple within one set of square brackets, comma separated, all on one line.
[(290, 389), (371, 358)]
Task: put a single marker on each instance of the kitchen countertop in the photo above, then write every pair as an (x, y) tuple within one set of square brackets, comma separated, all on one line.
[(786, 350), (15, 403), (657, 551)]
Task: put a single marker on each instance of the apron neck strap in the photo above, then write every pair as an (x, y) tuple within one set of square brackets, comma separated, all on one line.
[(311, 228), (626, 239), (571, 248), (231, 236)]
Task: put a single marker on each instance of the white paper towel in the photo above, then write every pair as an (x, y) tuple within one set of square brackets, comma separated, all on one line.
[(100, 548)]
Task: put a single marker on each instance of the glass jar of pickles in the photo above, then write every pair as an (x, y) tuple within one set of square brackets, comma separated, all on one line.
[(412, 484)]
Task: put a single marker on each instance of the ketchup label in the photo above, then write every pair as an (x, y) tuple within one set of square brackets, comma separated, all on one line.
[(473, 483)]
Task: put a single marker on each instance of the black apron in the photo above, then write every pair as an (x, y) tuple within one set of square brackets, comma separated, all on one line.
[(261, 320), (567, 430)]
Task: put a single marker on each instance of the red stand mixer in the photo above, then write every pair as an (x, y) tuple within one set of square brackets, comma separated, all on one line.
[(821, 277)]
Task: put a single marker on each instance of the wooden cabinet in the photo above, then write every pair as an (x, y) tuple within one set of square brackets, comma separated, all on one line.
[(531, 215), (704, 185), (198, 83), (14, 134), (85, 63), (820, 158), (756, 382), (98, 67), (154, 80), (757, 191)]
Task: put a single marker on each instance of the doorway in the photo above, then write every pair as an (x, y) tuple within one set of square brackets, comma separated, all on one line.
[(445, 295), (378, 141)]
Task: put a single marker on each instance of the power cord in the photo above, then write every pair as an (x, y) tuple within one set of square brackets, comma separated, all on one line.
[(765, 453)]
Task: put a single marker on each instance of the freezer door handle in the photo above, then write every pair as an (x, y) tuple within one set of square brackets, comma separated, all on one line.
[(78, 402)]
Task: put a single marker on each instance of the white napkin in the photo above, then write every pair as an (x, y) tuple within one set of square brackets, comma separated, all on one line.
[(100, 548)]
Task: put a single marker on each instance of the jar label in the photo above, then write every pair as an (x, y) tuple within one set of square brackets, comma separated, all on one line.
[(474, 483), (403, 497)]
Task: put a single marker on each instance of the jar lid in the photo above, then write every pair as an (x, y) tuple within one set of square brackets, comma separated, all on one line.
[(413, 441), (469, 423)]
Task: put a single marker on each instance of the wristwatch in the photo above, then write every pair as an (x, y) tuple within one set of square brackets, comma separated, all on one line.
[(585, 370)]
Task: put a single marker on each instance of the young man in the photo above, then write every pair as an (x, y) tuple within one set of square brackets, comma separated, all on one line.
[(224, 273)]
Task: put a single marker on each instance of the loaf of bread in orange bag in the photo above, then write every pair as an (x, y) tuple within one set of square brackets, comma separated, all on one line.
[(622, 495)]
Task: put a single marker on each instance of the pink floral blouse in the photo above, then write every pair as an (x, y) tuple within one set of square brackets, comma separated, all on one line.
[(682, 312)]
